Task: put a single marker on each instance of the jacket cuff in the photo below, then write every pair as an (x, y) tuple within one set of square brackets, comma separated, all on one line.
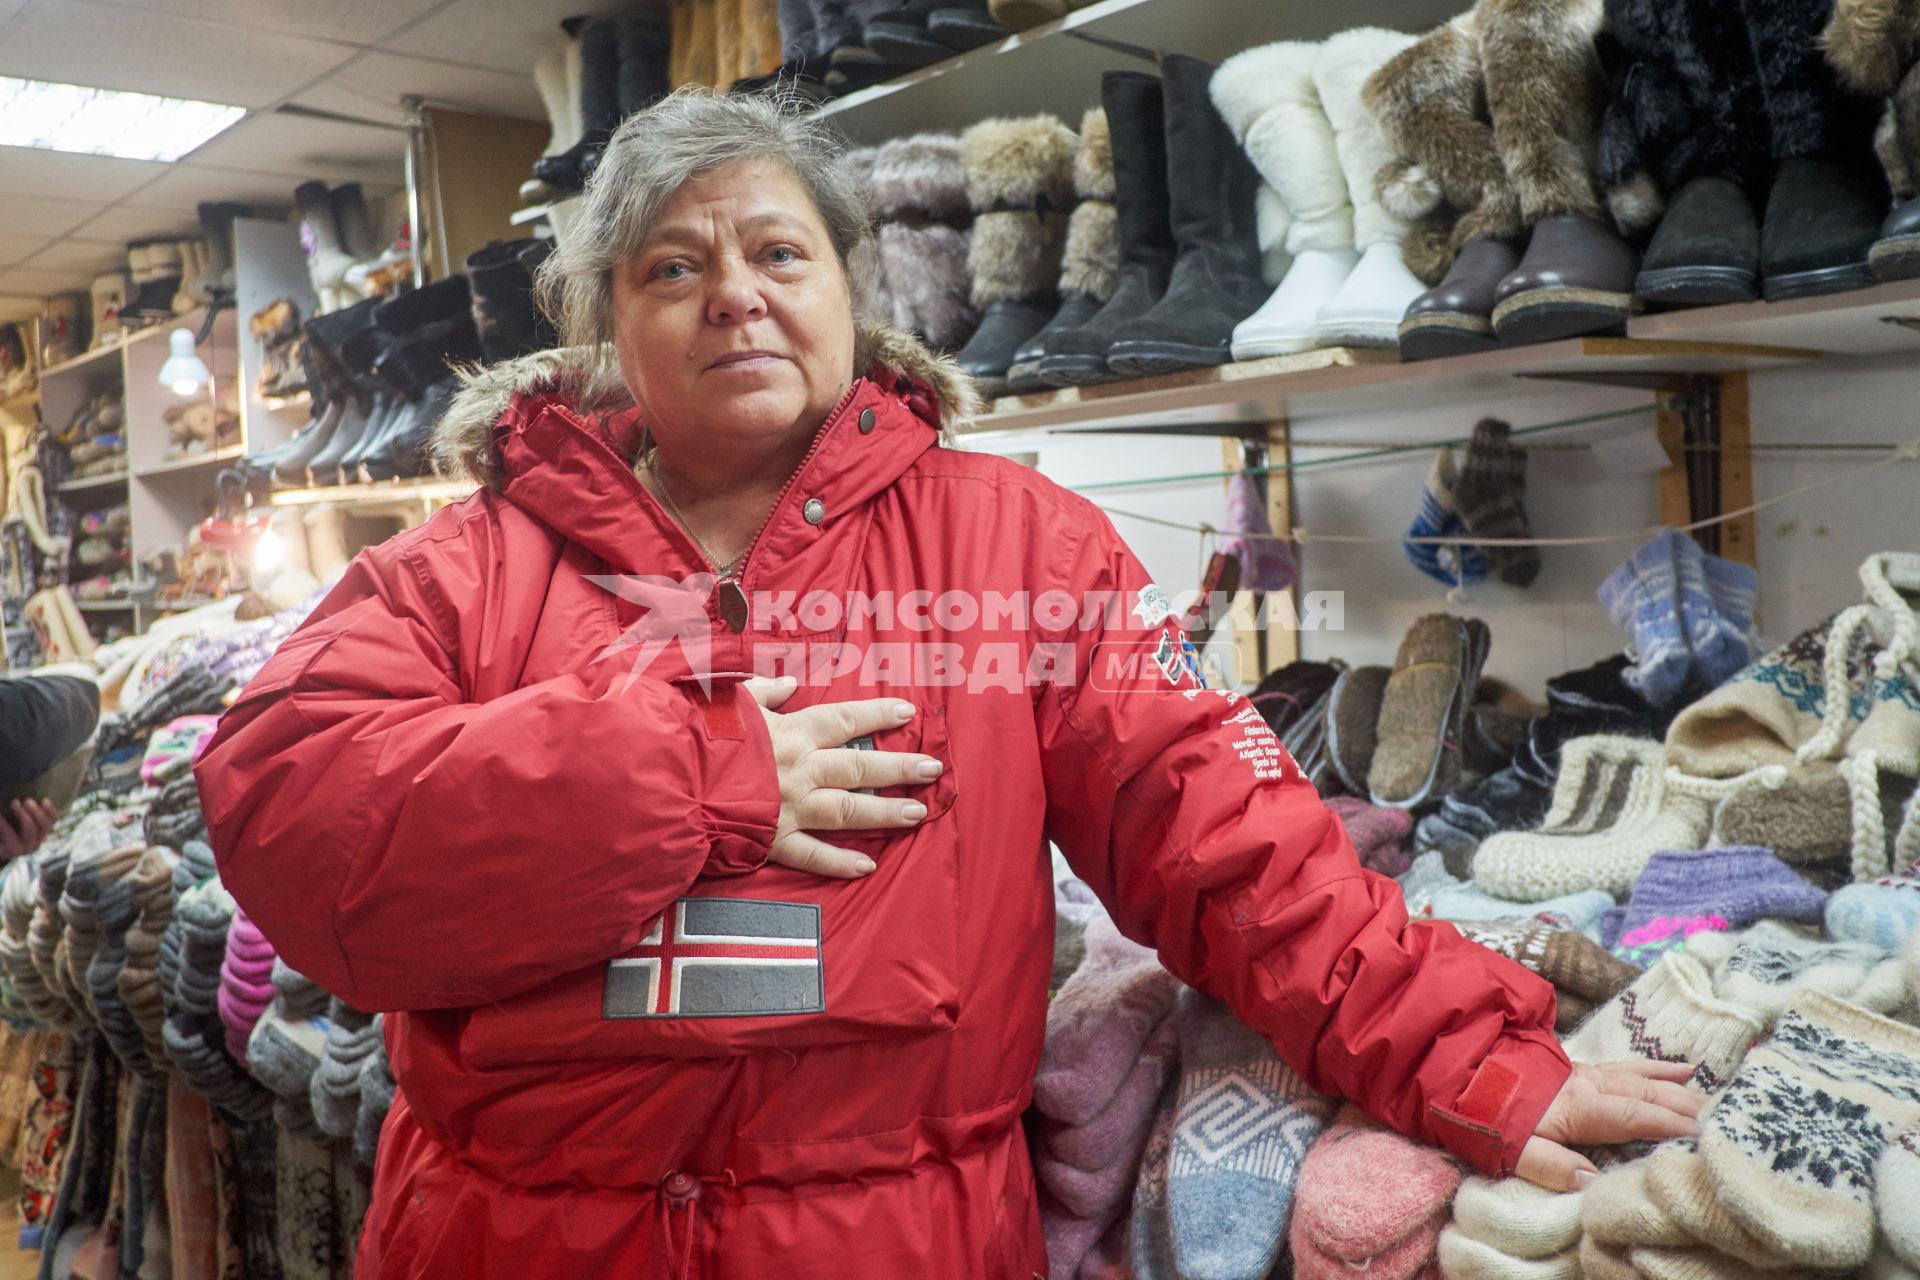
[(740, 801), (1491, 1120)]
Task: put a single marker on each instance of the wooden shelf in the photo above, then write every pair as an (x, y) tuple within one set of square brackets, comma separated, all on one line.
[(192, 320), (194, 462), (299, 400), (384, 493), (1882, 320), (1342, 380), (106, 606), (93, 482)]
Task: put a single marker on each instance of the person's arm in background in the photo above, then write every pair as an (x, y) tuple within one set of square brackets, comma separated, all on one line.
[(407, 848), (1206, 842), (43, 721)]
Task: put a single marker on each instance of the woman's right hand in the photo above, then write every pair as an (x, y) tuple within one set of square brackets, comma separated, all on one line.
[(820, 777)]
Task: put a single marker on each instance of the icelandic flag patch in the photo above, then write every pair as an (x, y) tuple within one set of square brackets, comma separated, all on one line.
[(721, 958)]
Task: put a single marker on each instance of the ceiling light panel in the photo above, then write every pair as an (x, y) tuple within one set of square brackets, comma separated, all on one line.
[(106, 122)]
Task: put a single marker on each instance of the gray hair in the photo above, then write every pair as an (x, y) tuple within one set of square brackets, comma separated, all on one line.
[(692, 131)]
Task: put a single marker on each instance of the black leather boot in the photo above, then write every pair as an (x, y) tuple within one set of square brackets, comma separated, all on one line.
[(1136, 114), (1216, 280), (1456, 316), (501, 276), (1823, 219), (1576, 277), (1706, 250), (1896, 254), (599, 108)]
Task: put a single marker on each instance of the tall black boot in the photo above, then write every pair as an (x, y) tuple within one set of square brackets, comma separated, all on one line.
[(429, 358), (1216, 281), (367, 404), (599, 107), (1020, 183), (643, 39), (1136, 115), (1823, 217), (503, 305)]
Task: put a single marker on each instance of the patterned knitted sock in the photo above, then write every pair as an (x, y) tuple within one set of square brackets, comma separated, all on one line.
[(1517, 1218), (1091, 1168), (1883, 912), (1767, 965), (1243, 1125), (1896, 1195), (1618, 1212), (1670, 1015), (1642, 597), (1571, 961), (1097, 1023), (1680, 1186), (1150, 1234), (1492, 485), (1365, 1190), (1716, 603), (1464, 1258), (1438, 516), (1792, 1142), (1681, 894)]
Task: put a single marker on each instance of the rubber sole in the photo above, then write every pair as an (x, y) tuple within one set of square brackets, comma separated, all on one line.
[(962, 34), (1376, 336), (1146, 358), (1021, 14), (1697, 286), (1024, 379), (1815, 284), (1075, 371), (1895, 258), (1439, 334), (1548, 315), (1266, 348)]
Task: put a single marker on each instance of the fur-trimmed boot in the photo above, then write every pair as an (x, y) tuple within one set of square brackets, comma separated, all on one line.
[(1367, 310), (1135, 106), (1091, 262), (1874, 47), (1020, 184), (1896, 254), (1216, 280), (918, 188), (1269, 100), (1447, 178)]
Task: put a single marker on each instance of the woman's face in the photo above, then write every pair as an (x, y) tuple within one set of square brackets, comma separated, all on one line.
[(733, 322)]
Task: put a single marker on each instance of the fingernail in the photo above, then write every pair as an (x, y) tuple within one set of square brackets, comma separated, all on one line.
[(913, 811), (903, 711), (1580, 1179), (863, 865), (930, 768)]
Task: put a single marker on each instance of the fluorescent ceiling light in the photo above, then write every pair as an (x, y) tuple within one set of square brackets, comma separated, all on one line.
[(106, 122)]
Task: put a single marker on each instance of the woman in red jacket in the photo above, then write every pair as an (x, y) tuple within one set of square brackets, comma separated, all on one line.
[(679, 983)]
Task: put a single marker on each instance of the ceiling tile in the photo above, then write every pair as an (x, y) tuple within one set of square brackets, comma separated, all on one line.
[(29, 215), (372, 86), (114, 48), (487, 33), (124, 222), (61, 175), (352, 21), (42, 283), (302, 147), (18, 248), (90, 256)]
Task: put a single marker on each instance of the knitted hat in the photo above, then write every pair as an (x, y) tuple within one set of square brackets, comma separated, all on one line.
[(1379, 834), (1670, 1015), (1098, 1022), (1764, 968), (1680, 894), (1759, 717), (1883, 912)]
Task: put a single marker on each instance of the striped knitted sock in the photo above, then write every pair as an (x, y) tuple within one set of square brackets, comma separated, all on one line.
[(1642, 597), (1723, 639), (1492, 484), (1791, 1144), (1439, 517)]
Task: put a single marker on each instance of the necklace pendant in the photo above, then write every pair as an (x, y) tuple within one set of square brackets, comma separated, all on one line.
[(733, 605)]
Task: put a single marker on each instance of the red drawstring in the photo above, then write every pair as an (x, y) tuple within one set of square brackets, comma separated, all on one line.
[(682, 1191)]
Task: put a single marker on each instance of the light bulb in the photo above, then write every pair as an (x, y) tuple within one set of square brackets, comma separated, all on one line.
[(269, 553), (184, 372)]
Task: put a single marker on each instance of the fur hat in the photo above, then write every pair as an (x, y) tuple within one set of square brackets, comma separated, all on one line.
[(1020, 183)]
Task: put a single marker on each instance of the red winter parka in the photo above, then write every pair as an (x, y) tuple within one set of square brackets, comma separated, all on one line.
[(479, 790)]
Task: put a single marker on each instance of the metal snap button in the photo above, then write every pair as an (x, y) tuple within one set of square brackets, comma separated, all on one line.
[(866, 422), (815, 511)]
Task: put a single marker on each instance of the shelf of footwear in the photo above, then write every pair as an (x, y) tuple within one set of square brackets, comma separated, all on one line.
[(1056, 66), (1882, 320), (94, 482), (146, 333), (382, 493), (194, 462), (106, 606), (1343, 380)]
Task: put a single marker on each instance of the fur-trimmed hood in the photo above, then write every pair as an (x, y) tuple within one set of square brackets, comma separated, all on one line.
[(464, 439)]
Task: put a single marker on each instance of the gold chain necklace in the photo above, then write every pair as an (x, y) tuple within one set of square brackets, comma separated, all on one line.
[(725, 571)]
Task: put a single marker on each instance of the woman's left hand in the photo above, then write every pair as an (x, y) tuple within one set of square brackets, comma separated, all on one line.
[(1603, 1105)]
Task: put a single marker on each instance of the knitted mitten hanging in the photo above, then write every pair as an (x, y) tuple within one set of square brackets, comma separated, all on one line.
[(1438, 516), (1492, 484)]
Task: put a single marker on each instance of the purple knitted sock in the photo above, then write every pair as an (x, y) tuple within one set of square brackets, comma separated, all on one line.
[(1091, 1168), (1681, 894), (1097, 1023)]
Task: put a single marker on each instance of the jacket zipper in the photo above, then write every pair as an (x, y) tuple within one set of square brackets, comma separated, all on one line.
[(739, 575)]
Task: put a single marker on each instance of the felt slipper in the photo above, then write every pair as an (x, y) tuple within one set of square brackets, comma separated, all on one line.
[(1353, 718), (1417, 753)]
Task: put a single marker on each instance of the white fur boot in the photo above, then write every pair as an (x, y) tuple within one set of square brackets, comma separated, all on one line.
[(1370, 305), (1268, 98)]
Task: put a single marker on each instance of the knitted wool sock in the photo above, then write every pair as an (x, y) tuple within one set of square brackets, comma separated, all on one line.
[(1670, 1015), (1492, 484), (299, 996), (1681, 894), (1433, 893), (1097, 1023), (1618, 1211), (1653, 1263), (1572, 962), (1464, 1258), (1763, 968), (1883, 912), (1379, 834), (335, 1089), (1643, 599), (1716, 604), (1150, 1230), (1069, 1238), (283, 1053), (1681, 1188), (1896, 1195), (1600, 1262), (1365, 1191), (1807, 820), (1090, 1168), (1242, 1127), (1409, 1257), (376, 1099), (1791, 1145), (1516, 1218), (1438, 516)]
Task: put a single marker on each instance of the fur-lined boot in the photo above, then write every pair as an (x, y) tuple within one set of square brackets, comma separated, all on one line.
[(1092, 260), (1020, 184), (1367, 310), (1216, 281), (918, 188), (1269, 100), (1874, 45)]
